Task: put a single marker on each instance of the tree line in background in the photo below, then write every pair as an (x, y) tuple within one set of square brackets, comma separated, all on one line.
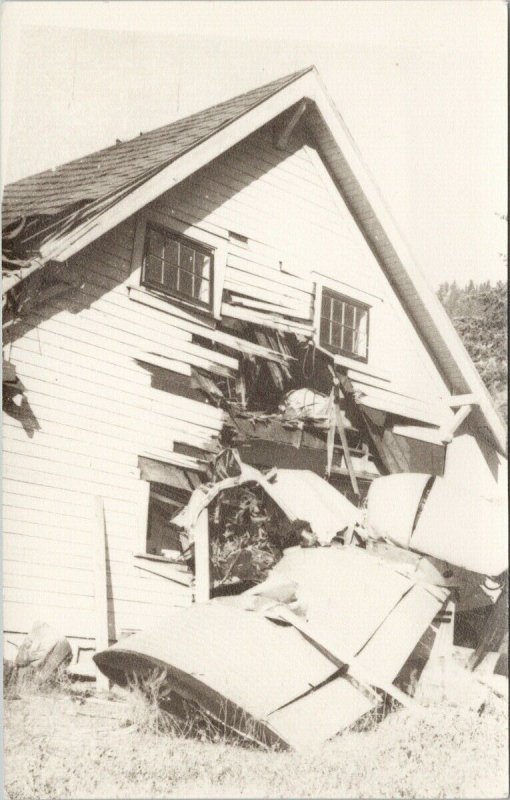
[(479, 314)]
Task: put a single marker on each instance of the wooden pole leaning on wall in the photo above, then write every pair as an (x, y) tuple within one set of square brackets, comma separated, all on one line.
[(202, 565), (100, 587), (337, 413)]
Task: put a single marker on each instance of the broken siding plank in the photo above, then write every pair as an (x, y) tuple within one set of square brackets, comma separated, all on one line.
[(252, 260), (394, 404), (159, 360), (165, 571), (155, 431), (73, 374), (100, 587), (272, 307), (71, 352), (68, 439), (163, 426), (265, 320), (276, 373), (94, 325), (168, 416), (89, 336), (200, 536), (228, 340), (175, 459)]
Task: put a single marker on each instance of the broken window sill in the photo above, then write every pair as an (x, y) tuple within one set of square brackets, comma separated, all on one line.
[(163, 559), (161, 302)]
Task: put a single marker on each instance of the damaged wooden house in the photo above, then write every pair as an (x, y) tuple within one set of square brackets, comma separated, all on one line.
[(231, 283)]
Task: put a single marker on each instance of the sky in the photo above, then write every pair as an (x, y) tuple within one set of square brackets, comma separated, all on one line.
[(422, 86)]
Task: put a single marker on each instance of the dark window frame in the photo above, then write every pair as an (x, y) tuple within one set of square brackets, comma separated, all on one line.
[(356, 305), (174, 293)]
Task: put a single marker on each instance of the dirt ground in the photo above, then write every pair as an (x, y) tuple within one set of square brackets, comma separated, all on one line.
[(64, 744)]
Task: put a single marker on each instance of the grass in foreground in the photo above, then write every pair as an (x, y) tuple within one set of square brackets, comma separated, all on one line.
[(61, 744)]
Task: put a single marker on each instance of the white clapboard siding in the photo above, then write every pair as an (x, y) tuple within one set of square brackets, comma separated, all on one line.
[(259, 198), (69, 439), (94, 330), (64, 552), (75, 376), (20, 611), (247, 262), (92, 407), (26, 495), (228, 340), (115, 431), (95, 406), (73, 582), (50, 472), (294, 308), (42, 598)]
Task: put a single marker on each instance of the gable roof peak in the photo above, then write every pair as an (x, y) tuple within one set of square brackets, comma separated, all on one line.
[(105, 171)]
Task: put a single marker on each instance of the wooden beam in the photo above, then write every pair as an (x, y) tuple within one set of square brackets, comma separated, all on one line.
[(447, 431), (283, 136), (202, 567), (461, 400), (100, 588)]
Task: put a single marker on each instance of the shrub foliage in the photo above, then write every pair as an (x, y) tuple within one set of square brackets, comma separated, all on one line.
[(479, 314)]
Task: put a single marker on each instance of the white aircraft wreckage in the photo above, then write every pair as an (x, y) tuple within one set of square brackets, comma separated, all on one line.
[(310, 612)]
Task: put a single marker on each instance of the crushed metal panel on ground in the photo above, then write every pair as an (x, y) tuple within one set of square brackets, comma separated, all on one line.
[(463, 528), (392, 504), (346, 593), (239, 655), (308, 722), (316, 501), (386, 652)]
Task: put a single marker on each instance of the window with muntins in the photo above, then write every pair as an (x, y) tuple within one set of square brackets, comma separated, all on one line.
[(177, 266), (344, 325)]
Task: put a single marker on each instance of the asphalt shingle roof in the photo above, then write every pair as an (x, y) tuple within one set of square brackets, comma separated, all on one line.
[(99, 174)]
